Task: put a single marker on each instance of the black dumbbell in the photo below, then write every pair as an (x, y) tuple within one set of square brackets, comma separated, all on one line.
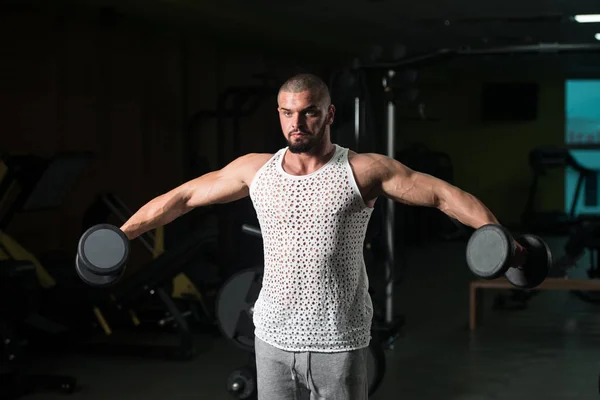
[(491, 251), (101, 255)]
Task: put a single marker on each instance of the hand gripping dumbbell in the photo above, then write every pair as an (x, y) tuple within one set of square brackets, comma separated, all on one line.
[(101, 255), (491, 251)]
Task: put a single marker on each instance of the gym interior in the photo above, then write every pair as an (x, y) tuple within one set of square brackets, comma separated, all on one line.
[(108, 104)]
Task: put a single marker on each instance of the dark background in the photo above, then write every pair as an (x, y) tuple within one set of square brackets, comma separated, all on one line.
[(123, 81)]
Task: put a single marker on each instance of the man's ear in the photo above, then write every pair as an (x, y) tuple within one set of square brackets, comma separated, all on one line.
[(330, 114)]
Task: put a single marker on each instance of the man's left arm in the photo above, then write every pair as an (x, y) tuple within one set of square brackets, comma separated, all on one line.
[(404, 185)]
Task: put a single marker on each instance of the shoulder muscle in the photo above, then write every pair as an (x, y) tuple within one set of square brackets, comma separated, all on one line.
[(373, 170), (245, 167)]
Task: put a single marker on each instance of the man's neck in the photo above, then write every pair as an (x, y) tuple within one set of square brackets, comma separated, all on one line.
[(307, 163)]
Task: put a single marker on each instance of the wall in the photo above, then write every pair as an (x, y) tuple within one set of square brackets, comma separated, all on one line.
[(123, 89), (490, 159)]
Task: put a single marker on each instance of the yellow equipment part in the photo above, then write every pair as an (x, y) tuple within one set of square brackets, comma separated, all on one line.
[(183, 287), (11, 250)]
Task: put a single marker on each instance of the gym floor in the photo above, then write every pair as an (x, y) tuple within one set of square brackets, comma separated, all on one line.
[(551, 350)]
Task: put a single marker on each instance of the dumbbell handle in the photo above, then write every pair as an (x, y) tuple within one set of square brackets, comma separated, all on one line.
[(520, 255)]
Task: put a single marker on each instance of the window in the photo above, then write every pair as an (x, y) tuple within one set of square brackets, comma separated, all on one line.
[(582, 109)]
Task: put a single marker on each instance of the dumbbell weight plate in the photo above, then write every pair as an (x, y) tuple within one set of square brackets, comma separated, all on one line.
[(235, 306), (101, 255), (535, 270), (93, 279), (103, 249), (489, 251)]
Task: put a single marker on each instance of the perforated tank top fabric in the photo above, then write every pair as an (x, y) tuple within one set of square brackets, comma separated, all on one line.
[(314, 294)]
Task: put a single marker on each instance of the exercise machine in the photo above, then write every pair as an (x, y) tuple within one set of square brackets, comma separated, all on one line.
[(32, 183), (29, 183), (19, 294), (541, 160), (198, 284), (159, 288), (585, 237)]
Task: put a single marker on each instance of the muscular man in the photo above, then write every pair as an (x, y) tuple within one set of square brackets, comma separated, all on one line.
[(313, 200)]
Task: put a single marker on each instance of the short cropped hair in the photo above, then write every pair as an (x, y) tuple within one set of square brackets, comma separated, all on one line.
[(302, 82)]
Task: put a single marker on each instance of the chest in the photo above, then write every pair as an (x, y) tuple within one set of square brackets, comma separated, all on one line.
[(326, 194)]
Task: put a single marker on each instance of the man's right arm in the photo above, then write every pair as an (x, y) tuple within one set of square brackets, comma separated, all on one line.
[(225, 185)]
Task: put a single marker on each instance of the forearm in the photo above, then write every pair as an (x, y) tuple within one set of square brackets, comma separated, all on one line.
[(465, 207), (212, 188), (157, 212)]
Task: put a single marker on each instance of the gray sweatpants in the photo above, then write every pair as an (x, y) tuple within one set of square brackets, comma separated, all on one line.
[(283, 375)]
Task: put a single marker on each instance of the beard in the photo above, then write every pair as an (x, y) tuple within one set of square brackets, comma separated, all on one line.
[(306, 143)]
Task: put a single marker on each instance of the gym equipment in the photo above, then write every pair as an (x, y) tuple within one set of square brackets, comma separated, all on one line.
[(162, 293), (235, 306), (18, 288), (34, 183), (102, 253), (241, 383), (197, 284), (37, 183), (585, 237), (541, 160), (233, 103), (427, 223), (385, 72), (149, 284), (234, 310), (490, 252)]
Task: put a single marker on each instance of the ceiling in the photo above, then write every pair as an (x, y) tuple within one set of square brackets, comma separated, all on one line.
[(373, 28)]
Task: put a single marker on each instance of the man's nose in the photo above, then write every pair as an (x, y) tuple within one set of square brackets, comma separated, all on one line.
[(297, 121)]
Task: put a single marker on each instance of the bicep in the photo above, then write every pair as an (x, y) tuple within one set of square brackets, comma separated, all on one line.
[(215, 188), (223, 186)]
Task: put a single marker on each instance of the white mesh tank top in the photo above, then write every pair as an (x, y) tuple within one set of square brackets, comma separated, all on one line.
[(314, 294)]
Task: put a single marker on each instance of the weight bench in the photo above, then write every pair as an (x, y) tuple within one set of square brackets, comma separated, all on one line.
[(475, 287)]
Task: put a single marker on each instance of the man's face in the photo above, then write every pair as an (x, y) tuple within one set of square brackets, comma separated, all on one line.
[(304, 119)]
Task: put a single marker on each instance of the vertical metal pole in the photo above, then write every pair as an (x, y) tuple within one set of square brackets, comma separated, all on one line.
[(390, 223), (356, 121), (364, 144)]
